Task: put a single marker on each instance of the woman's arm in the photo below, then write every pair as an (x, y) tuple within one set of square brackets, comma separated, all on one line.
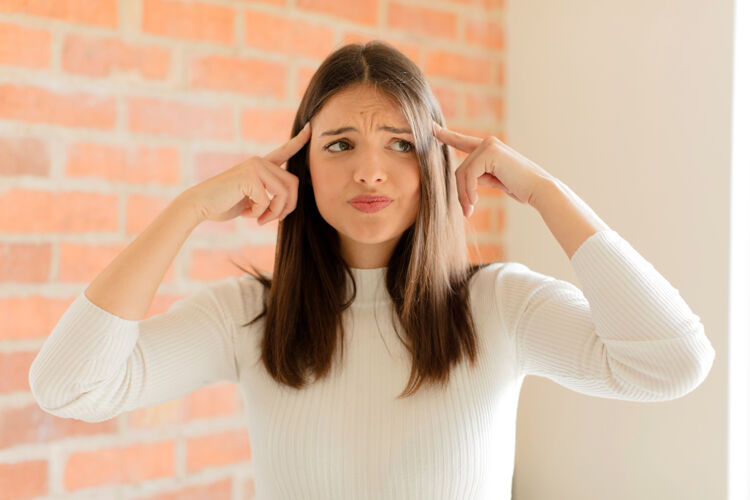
[(567, 216), (626, 334), (126, 287)]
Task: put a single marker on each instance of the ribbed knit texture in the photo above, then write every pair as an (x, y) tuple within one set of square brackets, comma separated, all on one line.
[(627, 335)]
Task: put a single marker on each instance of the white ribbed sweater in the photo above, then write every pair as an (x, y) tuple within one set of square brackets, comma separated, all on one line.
[(627, 335)]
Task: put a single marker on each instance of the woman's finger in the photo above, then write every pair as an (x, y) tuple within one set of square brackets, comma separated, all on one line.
[(465, 143), (280, 155), (290, 183), (466, 177), (471, 182), (275, 186)]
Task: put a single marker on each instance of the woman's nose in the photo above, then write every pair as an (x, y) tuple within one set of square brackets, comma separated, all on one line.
[(371, 168)]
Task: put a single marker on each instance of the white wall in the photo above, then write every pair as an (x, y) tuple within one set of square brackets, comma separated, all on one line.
[(629, 104)]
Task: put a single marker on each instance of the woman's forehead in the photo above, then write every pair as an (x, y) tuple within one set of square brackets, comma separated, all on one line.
[(361, 107)]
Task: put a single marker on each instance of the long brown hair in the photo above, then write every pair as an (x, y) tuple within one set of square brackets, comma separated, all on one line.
[(429, 271)]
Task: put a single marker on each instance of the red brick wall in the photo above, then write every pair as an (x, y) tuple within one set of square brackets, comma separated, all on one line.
[(110, 109)]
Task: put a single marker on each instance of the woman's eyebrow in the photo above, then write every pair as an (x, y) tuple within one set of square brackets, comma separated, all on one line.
[(387, 128)]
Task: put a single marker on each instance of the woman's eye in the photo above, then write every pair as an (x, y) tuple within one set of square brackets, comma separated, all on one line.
[(408, 145), (334, 143)]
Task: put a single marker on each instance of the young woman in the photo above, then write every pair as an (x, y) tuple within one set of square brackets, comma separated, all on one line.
[(375, 361)]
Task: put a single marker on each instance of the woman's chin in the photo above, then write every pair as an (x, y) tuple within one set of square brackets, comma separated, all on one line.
[(369, 233)]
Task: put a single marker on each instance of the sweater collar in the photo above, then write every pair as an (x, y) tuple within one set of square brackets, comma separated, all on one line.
[(370, 285)]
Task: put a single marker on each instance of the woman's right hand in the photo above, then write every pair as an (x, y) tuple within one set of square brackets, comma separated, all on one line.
[(241, 190)]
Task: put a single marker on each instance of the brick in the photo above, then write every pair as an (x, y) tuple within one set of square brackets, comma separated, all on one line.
[(362, 11), (479, 221), (210, 163), (35, 211), (485, 33), (233, 74), (217, 449), (499, 73), (101, 57), (294, 37), (21, 480), (25, 262), (30, 317), (218, 490), (304, 75), (427, 21), (22, 46), (486, 253), (141, 210), (132, 165), (128, 464), (484, 108), (189, 20), (460, 67), (24, 156), (214, 264), (500, 225), (218, 400), (14, 376), (267, 125), (481, 4), (448, 100), (38, 105), (156, 116), (100, 13), (489, 192), (32, 425), (165, 415), (247, 486), (82, 262)]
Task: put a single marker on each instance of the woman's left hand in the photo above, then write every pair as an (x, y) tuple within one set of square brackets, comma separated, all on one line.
[(492, 163)]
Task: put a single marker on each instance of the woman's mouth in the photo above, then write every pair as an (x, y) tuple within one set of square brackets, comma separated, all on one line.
[(370, 206), (371, 202)]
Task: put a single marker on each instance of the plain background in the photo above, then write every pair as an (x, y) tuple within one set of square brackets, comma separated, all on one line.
[(629, 104)]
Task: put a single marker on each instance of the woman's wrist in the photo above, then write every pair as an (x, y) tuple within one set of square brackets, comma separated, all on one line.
[(185, 207)]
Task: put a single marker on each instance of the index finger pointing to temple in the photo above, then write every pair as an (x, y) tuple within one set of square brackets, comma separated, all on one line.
[(465, 143), (288, 149)]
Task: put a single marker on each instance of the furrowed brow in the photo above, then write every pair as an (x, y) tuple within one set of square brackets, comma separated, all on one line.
[(387, 128)]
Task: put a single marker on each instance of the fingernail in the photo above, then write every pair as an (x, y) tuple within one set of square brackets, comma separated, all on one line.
[(471, 210)]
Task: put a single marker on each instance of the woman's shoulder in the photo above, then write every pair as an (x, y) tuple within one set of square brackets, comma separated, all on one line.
[(241, 296), (507, 271), (486, 274), (492, 279)]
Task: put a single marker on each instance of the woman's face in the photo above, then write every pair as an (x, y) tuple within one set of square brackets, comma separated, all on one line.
[(352, 153)]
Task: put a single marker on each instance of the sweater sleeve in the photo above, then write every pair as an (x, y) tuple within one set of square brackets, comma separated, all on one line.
[(95, 365), (627, 335)]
